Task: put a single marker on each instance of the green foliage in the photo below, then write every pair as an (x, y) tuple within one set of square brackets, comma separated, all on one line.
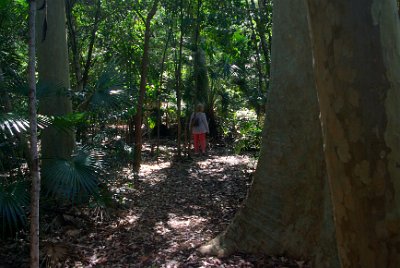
[(14, 199), (74, 179), (11, 123), (108, 93), (248, 132)]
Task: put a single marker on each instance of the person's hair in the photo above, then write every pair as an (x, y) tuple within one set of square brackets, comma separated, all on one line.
[(200, 107)]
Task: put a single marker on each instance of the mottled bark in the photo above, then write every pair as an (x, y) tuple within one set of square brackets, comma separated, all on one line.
[(356, 48), (142, 90), (288, 209), (35, 174), (53, 71)]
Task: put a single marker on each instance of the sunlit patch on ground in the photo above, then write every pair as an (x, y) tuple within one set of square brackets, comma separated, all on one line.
[(161, 216), (182, 223)]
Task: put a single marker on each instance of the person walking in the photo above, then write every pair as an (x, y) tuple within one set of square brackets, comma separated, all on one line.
[(199, 128)]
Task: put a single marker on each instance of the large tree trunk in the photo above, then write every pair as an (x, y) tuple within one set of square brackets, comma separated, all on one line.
[(357, 65), (288, 209), (35, 174), (142, 90), (53, 71)]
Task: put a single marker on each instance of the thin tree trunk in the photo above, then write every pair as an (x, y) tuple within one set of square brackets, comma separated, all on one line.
[(35, 173), (160, 88), (258, 60), (179, 83), (88, 64), (69, 4), (288, 209), (262, 31), (357, 65), (143, 81), (200, 69)]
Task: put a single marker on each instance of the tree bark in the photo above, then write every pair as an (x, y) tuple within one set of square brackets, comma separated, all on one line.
[(261, 23), (69, 4), (35, 173), (160, 88), (81, 77), (143, 81), (88, 63), (201, 89), (261, 87), (357, 65), (288, 209), (179, 83), (53, 71)]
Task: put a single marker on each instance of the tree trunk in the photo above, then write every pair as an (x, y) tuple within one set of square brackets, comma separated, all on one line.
[(53, 71), (160, 89), (35, 194), (179, 83), (288, 209), (261, 23), (88, 63), (201, 89), (69, 4), (143, 81), (357, 65), (261, 87)]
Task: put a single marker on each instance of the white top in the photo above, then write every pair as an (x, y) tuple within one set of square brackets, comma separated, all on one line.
[(203, 124)]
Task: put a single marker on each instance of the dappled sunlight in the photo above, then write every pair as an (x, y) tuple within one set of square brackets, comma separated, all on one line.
[(183, 222), (128, 220), (146, 169)]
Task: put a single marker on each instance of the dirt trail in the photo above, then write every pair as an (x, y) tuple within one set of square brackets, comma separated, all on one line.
[(166, 213)]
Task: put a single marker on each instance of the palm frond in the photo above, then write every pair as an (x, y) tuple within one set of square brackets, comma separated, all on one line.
[(74, 179), (14, 198), (44, 89), (11, 123), (109, 92)]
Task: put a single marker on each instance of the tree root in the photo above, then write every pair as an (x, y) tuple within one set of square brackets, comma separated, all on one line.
[(220, 246)]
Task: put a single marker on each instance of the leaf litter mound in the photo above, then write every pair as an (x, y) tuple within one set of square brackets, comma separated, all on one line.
[(164, 214)]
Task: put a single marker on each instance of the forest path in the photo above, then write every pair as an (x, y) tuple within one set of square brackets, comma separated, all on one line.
[(162, 217), (174, 207)]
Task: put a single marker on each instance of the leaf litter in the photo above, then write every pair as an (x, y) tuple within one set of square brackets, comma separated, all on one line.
[(163, 215)]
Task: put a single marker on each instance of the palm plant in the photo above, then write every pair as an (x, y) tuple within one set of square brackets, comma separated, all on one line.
[(14, 199), (107, 93), (75, 179)]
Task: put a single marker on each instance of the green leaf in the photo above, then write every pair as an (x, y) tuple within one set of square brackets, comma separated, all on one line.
[(14, 198), (74, 179)]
